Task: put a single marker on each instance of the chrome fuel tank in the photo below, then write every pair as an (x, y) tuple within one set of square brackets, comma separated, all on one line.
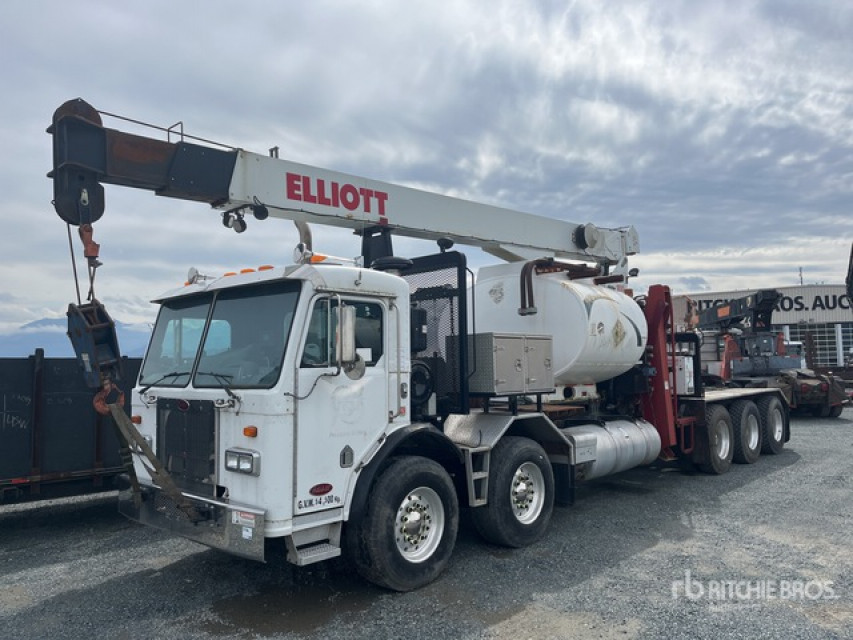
[(617, 445)]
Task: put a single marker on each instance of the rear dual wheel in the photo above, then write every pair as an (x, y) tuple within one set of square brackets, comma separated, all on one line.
[(774, 421), (746, 423), (717, 449)]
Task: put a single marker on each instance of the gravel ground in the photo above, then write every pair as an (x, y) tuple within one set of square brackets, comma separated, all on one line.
[(763, 552)]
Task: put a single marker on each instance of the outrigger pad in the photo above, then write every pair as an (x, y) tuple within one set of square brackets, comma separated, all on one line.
[(93, 336)]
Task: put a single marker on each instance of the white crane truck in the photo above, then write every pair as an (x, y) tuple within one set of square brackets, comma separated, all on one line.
[(356, 405)]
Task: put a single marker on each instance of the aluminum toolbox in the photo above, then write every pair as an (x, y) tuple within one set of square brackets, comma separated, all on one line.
[(510, 364)]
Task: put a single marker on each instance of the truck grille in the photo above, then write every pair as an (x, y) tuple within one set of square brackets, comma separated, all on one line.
[(186, 443)]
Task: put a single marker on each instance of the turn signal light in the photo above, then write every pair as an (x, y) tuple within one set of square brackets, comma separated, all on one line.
[(250, 431), (136, 419)]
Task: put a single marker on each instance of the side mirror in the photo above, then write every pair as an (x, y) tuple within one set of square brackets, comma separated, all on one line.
[(346, 352)]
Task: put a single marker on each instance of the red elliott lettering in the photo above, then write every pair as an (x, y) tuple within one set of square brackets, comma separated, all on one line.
[(333, 194)]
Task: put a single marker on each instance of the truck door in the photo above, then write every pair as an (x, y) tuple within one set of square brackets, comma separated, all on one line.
[(339, 415)]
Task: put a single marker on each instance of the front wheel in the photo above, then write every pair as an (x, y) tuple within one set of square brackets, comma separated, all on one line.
[(835, 411), (520, 496), (406, 536), (773, 421)]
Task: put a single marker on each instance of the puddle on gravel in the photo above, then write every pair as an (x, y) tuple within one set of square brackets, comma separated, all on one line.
[(14, 599), (536, 621), (295, 609)]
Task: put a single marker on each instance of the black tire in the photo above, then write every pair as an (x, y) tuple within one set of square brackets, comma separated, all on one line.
[(746, 421), (835, 411), (821, 411), (717, 449), (520, 495), (406, 536), (774, 424)]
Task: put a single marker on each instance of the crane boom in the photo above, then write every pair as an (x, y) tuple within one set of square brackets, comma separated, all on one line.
[(758, 307), (87, 155), (318, 195)]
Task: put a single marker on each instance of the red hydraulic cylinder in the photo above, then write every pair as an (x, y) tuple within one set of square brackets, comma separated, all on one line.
[(660, 405)]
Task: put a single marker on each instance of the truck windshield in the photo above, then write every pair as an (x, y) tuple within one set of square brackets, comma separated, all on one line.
[(174, 343), (233, 339)]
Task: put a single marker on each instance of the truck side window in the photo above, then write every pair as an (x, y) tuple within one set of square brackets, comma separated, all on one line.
[(319, 350), (369, 336)]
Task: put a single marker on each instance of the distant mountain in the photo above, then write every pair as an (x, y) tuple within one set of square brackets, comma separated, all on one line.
[(49, 334)]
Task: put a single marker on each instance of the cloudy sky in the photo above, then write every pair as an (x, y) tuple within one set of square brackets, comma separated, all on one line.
[(722, 130)]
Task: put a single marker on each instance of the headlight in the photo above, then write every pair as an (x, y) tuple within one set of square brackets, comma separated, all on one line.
[(243, 461)]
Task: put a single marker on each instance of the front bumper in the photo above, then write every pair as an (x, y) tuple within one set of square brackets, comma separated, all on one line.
[(235, 528)]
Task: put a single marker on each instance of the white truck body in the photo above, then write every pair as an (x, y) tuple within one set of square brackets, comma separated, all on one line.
[(332, 405)]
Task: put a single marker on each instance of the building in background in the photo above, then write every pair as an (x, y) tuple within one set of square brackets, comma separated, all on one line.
[(818, 316)]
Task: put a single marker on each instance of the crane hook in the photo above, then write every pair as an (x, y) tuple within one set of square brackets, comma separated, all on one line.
[(90, 247)]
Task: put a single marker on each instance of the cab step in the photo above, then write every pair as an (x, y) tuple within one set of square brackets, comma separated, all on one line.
[(314, 544), (313, 553)]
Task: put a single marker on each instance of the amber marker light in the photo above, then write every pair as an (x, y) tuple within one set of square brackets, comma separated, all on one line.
[(136, 419), (251, 431), (266, 267)]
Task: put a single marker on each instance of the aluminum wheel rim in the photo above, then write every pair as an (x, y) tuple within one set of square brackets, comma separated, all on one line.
[(419, 524), (722, 441), (752, 432), (777, 425), (527, 493)]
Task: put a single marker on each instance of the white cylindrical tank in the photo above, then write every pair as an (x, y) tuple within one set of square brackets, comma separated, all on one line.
[(598, 332)]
